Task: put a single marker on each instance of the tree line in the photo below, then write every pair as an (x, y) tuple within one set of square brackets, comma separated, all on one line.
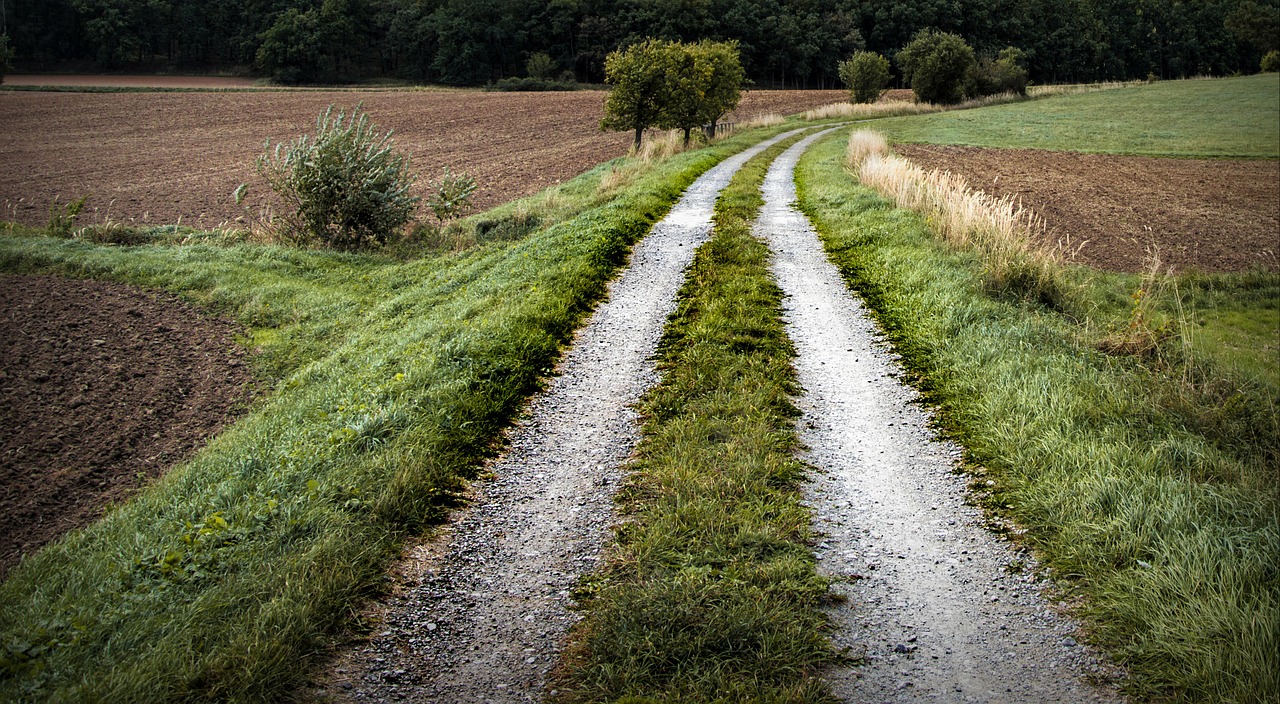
[(783, 43)]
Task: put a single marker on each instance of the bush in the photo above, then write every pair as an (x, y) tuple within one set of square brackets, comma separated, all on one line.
[(530, 84), (937, 66), (866, 74), (1006, 74), (345, 188), (6, 56), (1271, 62)]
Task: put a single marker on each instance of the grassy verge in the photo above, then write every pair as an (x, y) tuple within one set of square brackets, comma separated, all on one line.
[(394, 379), (710, 592), (1231, 117), (1150, 488)]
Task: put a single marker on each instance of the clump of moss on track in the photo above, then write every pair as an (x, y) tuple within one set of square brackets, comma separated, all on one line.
[(395, 379), (710, 593)]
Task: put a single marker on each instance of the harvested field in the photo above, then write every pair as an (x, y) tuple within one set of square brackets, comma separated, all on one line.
[(1202, 215), (105, 386), (161, 158)]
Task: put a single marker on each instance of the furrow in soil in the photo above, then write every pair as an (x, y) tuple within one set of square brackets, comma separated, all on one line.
[(938, 608), (485, 622)]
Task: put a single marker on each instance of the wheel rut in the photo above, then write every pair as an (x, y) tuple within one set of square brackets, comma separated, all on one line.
[(938, 608), (485, 616)]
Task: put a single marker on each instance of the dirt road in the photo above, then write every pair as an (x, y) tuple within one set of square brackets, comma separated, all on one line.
[(938, 607), (485, 620)]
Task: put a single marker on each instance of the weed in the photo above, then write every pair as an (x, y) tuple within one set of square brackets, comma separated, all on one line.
[(63, 217)]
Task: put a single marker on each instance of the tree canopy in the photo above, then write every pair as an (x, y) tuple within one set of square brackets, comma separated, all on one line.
[(791, 43), (671, 85)]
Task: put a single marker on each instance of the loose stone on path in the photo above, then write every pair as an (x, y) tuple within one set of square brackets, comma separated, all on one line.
[(486, 620), (936, 610)]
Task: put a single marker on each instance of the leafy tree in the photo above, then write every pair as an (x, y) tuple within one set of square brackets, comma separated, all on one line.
[(704, 82), (936, 65), (1258, 24), (292, 49), (641, 89), (866, 74)]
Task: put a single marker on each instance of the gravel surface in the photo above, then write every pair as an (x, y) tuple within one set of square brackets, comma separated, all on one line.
[(938, 608), (485, 611)]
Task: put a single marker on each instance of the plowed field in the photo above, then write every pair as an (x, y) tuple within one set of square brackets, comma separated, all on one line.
[(1198, 214), (163, 157)]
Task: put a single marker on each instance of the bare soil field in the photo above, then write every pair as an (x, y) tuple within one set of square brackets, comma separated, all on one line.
[(1202, 215), (102, 388), (93, 81), (157, 158)]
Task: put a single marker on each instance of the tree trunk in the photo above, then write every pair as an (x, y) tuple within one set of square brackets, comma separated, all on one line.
[(639, 134), (687, 130)]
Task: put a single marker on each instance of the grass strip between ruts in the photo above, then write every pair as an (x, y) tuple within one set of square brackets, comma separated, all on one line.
[(225, 578), (710, 591), (1163, 515)]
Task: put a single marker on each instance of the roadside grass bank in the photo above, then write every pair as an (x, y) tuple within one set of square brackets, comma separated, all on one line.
[(710, 592), (393, 378), (1148, 482), (1220, 117)]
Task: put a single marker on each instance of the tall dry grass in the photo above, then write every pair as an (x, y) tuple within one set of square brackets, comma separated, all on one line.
[(867, 111), (1010, 238)]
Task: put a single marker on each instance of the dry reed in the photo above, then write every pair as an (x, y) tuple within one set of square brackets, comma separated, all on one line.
[(1010, 238)]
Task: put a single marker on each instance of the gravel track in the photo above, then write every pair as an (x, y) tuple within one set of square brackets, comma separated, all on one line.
[(938, 608), (485, 620)]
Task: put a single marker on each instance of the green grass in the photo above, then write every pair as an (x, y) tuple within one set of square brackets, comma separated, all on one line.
[(392, 380), (710, 593), (1148, 484), (1230, 117)]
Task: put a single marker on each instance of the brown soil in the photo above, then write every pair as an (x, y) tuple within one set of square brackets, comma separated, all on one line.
[(90, 81), (102, 388), (163, 157), (1202, 215)]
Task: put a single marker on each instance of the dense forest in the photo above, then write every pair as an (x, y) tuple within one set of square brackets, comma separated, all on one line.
[(470, 42)]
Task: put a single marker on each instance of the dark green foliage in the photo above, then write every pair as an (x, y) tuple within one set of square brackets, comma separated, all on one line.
[(936, 65), (784, 44), (346, 187), (865, 74), (6, 56), (1256, 23), (1007, 73), (515, 85)]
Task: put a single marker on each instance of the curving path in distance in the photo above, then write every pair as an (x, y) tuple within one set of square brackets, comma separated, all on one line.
[(937, 610)]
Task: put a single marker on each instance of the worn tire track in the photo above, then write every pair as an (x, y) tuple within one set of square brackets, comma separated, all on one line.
[(487, 620), (933, 609)]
